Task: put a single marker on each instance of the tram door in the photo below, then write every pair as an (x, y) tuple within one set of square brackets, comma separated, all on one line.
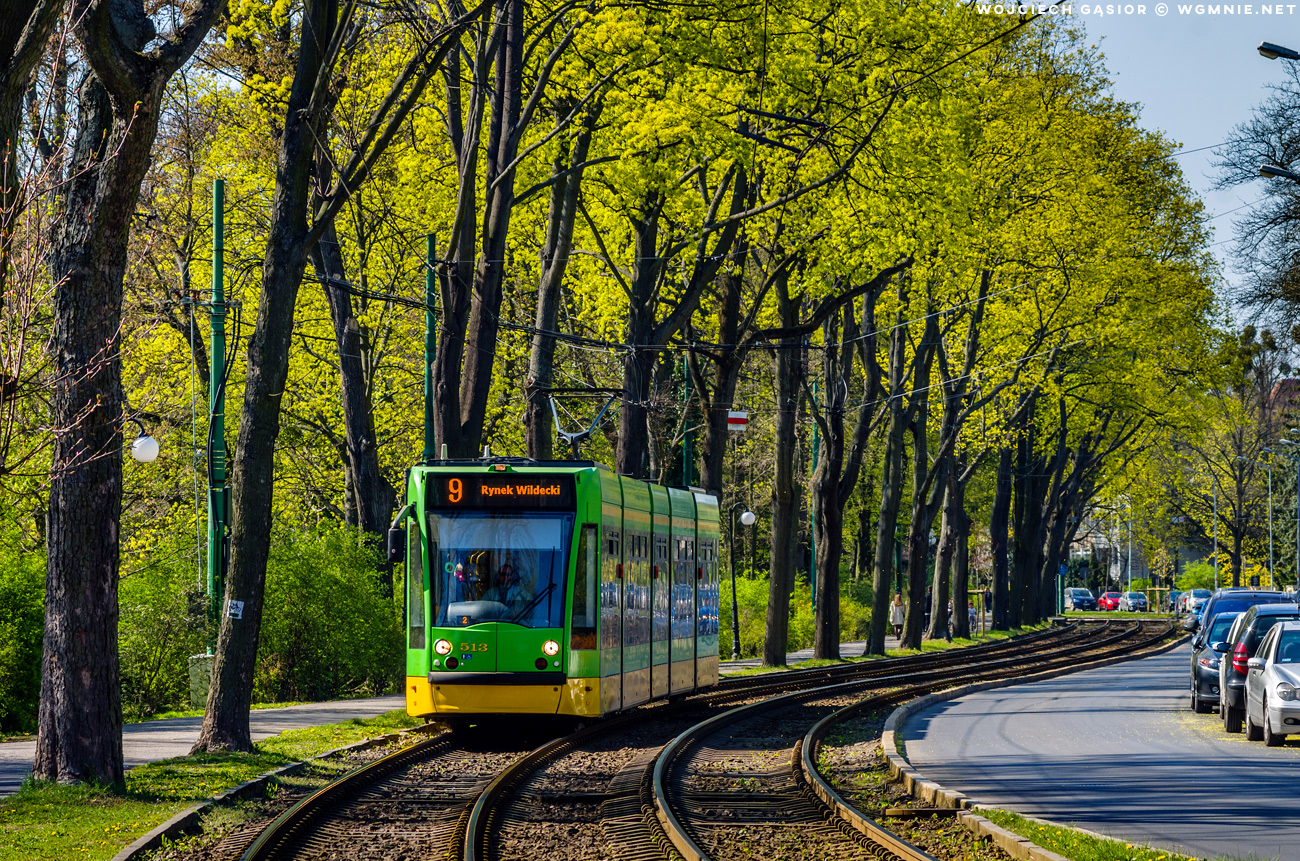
[(661, 591), (611, 622)]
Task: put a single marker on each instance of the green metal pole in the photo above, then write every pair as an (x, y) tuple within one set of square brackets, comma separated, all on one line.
[(430, 340), (688, 444), (812, 531), (217, 502)]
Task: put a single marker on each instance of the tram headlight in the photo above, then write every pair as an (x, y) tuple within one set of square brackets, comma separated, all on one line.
[(550, 648), (442, 647)]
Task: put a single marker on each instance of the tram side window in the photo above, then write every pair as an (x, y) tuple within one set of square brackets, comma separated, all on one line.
[(583, 632), (414, 586)]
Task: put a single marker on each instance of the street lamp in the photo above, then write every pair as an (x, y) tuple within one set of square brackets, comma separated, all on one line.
[(144, 448), (1273, 171), (746, 519), (1272, 52)]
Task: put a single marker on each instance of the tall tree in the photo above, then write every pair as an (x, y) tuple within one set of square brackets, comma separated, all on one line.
[(295, 228), (118, 107)]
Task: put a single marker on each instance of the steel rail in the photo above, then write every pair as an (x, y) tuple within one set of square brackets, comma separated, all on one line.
[(677, 832), (474, 825), (485, 813), (882, 664), (806, 767), (283, 828), (882, 837)]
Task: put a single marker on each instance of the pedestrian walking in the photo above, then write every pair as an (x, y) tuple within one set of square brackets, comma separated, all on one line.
[(896, 615)]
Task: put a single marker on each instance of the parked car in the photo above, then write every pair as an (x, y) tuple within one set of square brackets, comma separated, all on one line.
[(1273, 686), (1078, 598), (1243, 640), (1108, 601), (1205, 662), (1194, 598), (1173, 606), (1134, 602), (1231, 599)]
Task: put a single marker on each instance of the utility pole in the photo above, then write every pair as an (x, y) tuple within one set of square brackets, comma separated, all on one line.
[(218, 495), (812, 527), (430, 341)]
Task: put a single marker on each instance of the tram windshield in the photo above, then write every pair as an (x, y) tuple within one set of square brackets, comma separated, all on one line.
[(498, 567)]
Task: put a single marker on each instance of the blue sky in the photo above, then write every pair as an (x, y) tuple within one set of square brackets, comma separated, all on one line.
[(1196, 76)]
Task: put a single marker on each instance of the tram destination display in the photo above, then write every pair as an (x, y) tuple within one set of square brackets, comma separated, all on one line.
[(488, 490)]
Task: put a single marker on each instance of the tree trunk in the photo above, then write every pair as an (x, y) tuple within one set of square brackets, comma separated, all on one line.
[(225, 722), (632, 457), (373, 496), (80, 724), (726, 374), (891, 488), (926, 502), (79, 736), (499, 193), (824, 490), (785, 493), (958, 523), (539, 432), (998, 535), (940, 625)]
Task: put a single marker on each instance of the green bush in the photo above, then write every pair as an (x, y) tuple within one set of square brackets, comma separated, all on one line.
[(162, 622), (1196, 575), (327, 629), (751, 597), (22, 625)]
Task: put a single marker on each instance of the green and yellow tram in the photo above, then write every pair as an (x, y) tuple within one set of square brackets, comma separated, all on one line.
[(554, 588)]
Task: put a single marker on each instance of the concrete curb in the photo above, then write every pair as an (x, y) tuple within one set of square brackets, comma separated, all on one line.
[(937, 795), (187, 821)]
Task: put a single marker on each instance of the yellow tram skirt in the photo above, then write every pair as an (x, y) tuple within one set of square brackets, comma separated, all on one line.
[(574, 697)]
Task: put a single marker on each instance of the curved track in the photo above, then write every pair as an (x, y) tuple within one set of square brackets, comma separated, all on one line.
[(611, 790)]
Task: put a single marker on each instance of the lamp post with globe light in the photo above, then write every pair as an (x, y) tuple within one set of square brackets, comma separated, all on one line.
[(746, 519), (144, 448)]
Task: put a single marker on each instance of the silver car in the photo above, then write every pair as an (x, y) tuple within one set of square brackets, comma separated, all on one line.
[(1273, 686), (1133, 602)]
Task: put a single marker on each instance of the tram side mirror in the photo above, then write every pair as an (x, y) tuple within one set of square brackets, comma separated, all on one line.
[(396, 544)]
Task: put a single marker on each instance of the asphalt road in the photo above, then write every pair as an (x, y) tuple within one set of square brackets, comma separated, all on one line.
[(1117, 751), (163, 739)]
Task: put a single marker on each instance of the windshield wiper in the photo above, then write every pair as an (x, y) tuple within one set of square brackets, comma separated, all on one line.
[(533, 603)]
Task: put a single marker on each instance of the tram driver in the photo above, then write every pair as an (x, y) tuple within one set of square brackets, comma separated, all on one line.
[(509, 589)]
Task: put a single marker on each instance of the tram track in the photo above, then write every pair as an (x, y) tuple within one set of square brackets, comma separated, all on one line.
[(591, 793), (695, 800)]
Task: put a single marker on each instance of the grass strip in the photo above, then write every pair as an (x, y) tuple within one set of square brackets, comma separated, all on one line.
[(926, 646), (1078, 845), (48, 821)]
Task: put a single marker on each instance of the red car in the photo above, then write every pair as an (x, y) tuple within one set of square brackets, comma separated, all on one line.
[(1108, 601)]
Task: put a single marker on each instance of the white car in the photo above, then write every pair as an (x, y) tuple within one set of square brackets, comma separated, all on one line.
[(1273, 686), (1133, 602), (1194, 598)]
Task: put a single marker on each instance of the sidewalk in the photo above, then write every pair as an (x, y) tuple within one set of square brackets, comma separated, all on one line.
[(163, 739)]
